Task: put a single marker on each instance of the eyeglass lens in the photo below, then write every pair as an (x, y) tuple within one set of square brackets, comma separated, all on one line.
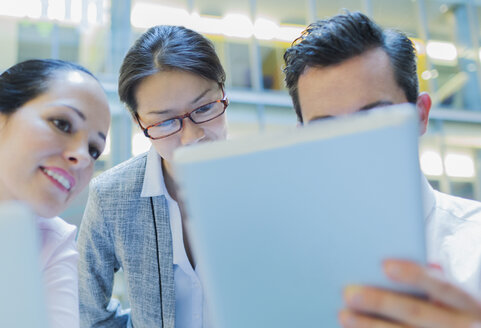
[(200, 115)]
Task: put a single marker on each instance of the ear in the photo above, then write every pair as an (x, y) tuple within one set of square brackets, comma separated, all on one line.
[(423, 105)]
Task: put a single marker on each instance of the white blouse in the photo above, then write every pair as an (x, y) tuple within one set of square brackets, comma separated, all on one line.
[(58, 264), (190, 305)]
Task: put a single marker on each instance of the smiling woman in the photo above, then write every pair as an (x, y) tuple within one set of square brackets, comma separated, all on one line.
[(54, 117)]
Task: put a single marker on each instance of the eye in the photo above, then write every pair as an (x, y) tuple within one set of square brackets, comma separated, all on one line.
[(62, 125), (94, 151), (167, 123), (205, 109)]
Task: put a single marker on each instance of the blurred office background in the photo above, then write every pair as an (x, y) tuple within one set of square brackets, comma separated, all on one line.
[(250, 37)]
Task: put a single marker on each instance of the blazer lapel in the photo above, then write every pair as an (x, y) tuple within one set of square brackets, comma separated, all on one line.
[(165, 259)]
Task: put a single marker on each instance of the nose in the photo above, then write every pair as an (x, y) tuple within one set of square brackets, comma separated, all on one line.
[(77, 154), (191, 133)]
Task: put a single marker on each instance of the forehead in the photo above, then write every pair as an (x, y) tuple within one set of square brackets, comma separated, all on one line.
[(346, 87), (79, 90), (170, 90), (75, 84)]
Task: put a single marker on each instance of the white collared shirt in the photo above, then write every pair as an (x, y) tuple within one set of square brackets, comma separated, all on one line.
[(453, 237), (189, 296)]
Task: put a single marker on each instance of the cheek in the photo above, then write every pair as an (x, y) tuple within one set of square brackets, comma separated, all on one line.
[(36, 145), (217, 129), (83, 179), (166, 147), (24, 155)]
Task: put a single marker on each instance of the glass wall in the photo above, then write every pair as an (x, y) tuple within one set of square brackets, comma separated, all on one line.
[(250, 38)]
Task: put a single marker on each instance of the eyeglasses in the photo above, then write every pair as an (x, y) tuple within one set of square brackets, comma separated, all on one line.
[(202, 114)]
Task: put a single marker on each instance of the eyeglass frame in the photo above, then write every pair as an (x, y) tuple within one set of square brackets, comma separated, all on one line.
[(181, 118)]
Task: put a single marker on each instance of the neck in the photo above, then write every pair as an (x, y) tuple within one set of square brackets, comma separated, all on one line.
[(169, 180), (5, 195), (172, 190)]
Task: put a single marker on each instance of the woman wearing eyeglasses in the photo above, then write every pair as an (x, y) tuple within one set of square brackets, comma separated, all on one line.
[(172, 82)]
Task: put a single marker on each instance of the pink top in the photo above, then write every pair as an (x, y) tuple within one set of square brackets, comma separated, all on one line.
[(58, 263)]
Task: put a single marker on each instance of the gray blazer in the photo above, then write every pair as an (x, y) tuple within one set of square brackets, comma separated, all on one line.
[(120, 229)]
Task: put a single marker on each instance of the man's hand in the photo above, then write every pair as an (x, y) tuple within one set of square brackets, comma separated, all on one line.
[(447, 306)]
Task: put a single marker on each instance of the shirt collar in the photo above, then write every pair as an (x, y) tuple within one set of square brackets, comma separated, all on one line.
[(154, 177), (429, 200)]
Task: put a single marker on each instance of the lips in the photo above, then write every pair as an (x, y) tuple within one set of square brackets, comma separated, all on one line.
[(59, 177)]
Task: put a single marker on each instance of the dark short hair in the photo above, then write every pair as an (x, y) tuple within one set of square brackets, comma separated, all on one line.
[(166, 48), (29, 79), (339, 38)]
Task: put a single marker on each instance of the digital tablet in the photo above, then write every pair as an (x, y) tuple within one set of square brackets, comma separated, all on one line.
[(281, 222)]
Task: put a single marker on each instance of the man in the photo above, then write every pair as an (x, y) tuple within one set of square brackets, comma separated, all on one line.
[(346, 64)]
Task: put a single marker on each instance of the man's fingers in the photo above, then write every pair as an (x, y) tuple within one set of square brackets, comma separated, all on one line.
[(437, 289), (399, 307)]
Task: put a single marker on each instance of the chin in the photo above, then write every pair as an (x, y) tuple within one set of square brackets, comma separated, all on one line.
[(48, 211)]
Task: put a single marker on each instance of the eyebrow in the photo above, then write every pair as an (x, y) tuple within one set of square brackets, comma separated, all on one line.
[(82, 116), (379, 103), (200, 96), (196, 99), (78, 112), (375, 104)]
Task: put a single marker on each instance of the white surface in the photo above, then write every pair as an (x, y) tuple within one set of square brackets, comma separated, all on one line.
[(22, 302), (281, 222)]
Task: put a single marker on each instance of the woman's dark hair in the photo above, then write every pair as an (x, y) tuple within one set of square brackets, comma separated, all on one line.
[(27, 80), (339, 38), (164, 48)]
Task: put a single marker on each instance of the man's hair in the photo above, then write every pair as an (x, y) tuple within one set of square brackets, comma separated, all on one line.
[(339, 38), (167, 48)]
